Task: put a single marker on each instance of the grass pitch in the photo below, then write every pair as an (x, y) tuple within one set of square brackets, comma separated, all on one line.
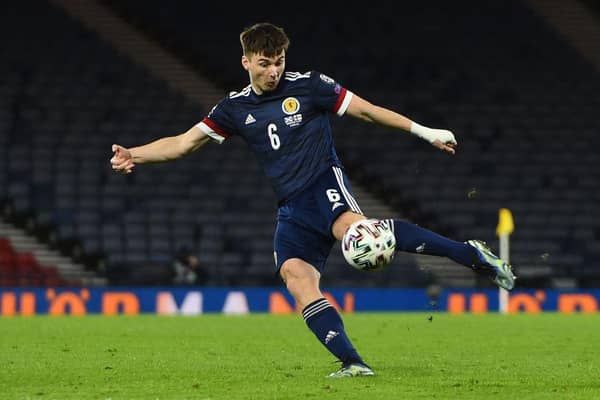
[(545, 356)]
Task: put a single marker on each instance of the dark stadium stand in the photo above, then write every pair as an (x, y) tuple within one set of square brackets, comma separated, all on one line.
[(522, 102), (59, 119)]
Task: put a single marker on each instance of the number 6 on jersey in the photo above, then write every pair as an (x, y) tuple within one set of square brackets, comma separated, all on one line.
[(275, 142)]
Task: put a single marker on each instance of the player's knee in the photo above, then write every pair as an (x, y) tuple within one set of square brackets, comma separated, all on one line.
[(302, 281), (343, 222), (296, 272)]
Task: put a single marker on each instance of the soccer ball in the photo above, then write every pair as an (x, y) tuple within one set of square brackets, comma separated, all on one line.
[(369, 244)]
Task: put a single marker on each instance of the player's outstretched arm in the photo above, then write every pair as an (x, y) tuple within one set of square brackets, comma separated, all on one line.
[(161, 150), (360, 108)]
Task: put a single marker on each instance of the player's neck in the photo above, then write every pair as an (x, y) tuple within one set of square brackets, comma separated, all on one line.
[(260, 92), (257, 91)]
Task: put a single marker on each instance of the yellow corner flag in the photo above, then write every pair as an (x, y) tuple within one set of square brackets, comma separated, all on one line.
[(506, 226)]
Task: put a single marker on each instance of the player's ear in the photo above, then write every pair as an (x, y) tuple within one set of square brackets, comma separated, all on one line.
[(245, 62)]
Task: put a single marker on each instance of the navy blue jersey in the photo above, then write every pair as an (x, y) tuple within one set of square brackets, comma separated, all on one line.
[(288, 129)]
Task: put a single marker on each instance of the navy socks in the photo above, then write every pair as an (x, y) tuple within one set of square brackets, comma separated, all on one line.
[(414, 239), (327, 325)]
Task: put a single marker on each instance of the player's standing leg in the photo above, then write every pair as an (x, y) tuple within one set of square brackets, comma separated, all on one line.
[(302, 281)]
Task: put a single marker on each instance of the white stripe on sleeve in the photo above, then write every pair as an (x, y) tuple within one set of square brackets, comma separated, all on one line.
[(208, 130), (345, 103)]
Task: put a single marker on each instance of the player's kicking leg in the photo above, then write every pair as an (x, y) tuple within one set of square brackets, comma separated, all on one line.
[(498, 270), (412, 238), (473, 253)]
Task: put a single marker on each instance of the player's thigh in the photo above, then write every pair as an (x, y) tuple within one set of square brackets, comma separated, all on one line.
[(295, 241), (343, 222)]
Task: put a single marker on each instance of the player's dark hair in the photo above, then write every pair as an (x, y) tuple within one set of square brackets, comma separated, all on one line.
[(264, 38)]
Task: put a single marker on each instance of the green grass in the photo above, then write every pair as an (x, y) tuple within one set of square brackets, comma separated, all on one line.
[(546, 356)]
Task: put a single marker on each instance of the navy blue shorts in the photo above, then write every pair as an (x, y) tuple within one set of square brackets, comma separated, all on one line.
[(304, 223)]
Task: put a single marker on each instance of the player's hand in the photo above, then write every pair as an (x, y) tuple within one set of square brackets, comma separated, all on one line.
[(445, 141), (121, 161)]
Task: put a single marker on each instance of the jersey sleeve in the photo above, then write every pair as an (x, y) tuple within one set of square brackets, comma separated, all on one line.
[(330, 95), (218, 124)]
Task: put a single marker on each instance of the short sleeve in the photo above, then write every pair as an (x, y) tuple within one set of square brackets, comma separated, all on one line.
[(330, 95), (218, 124)]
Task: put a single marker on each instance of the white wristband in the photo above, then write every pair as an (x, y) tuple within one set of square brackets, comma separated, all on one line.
[(432, 135), (423, 132)]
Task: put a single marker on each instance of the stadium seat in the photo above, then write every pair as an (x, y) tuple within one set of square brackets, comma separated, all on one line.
[(516, 149)]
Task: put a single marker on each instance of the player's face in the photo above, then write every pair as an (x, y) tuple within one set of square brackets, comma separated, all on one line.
[(265, 72)]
